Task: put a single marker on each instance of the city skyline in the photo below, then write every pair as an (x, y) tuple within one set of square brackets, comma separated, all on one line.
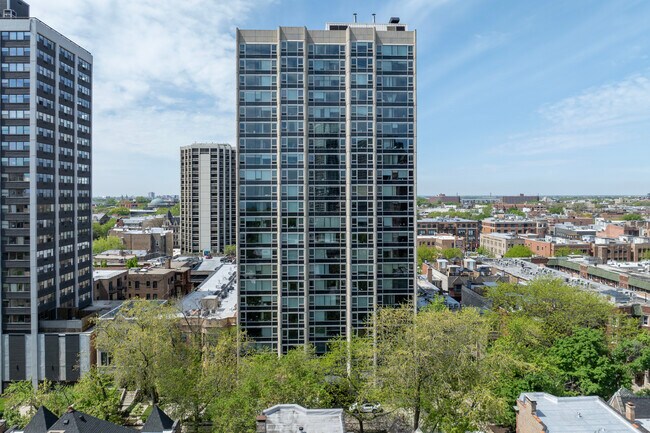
[(525, 91)]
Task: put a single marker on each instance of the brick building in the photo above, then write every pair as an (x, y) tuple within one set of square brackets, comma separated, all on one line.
[(152, 240), (158, 283), (518, 199), (514, 225), (109, 284), (539, 412), (498, 244), (442, 241), (548, 248), (442, 198), (463, 228)]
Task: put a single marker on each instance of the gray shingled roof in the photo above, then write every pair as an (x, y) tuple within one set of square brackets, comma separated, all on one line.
[(79, 422), (157, 422), (641, 403), (41, 422)]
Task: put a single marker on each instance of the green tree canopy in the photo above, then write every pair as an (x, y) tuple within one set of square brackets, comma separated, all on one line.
[(633, 217), (565, 251), (452, 253), (515, 211), (230, 250), (518, 251), (427, 254), (556, 209), (120, 211), (108, 243)]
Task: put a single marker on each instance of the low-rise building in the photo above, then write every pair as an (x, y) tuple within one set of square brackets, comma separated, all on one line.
[(515, 225), (519, 199), (442, 198), (101, 218), (549, 246), (109, 284), (154, 240), (460, 227), (539, 412), (120, 257), (497, 244), (442, 242), (72, 421), (157, 283), (570, 231), (295, 418)]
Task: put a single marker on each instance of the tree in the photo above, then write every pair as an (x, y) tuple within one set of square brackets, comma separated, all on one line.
[(518, 251), (96, 395), (121, 211), (423, 201), (131, 263), (646, 255), (350, 367), (484, 252), (101, 230), (556, 209), (452, 253), (565, 252), (230, 250), (433, 365), (583, 358), (554, 306), (426, 254), (515, 211), (197, 373), (579, 207), (632, 217), (264, 380), (22, 398), (486, 212), (138, 339), (175, 210), (109, 243)]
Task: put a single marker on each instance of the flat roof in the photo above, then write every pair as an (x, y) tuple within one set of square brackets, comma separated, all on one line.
[(290, 417), (577, 414), (107, 274), (221, 284)]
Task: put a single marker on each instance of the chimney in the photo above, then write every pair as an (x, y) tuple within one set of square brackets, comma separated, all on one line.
[(260, 423), (355, 17), (533, 405), (630, 412)]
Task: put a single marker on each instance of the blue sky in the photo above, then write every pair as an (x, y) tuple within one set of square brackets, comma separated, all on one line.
[(513, 96)]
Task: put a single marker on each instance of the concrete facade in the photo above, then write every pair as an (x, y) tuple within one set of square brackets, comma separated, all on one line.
[(46, 173), (327, 167), (208, 196)]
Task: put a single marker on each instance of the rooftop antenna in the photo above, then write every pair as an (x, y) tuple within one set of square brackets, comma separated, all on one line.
[(374, 18), (355, 17)]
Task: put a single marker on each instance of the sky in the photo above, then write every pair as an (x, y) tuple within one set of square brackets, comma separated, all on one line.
[(514, 96)]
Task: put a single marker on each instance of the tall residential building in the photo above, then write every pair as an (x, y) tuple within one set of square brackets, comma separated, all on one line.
[(326, 179), (208, 198), (45, 205)]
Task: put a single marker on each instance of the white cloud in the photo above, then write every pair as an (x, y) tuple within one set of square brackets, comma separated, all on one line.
[(163, 77), (616, 113), (616, 104)]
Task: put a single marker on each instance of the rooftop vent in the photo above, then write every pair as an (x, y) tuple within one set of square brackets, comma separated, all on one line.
[(394, 20)]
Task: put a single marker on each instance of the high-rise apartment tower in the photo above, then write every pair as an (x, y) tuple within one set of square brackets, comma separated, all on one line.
[(326, 179), (45, 205), (208, 197)]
